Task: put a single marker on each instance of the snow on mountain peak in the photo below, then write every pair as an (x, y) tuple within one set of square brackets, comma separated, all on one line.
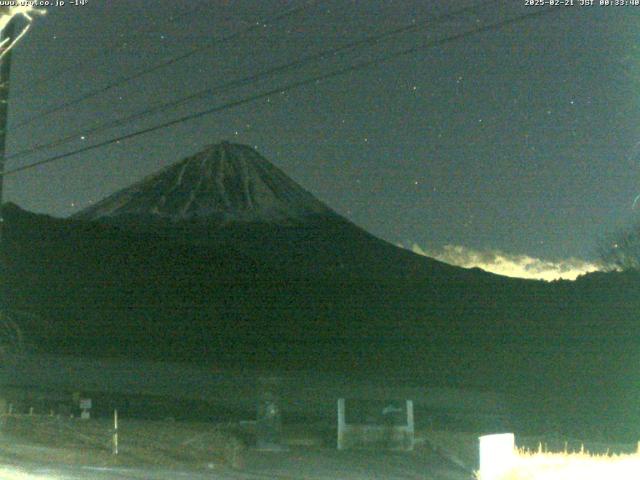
[(225, 182)]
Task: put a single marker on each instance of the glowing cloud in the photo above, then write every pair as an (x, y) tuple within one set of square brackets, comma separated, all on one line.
[(521, 266)]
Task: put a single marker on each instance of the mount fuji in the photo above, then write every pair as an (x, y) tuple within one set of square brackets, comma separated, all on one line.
[(225, 183), (230, 196)]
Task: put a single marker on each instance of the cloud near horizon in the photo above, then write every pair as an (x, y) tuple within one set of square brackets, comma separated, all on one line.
[(510, 265)]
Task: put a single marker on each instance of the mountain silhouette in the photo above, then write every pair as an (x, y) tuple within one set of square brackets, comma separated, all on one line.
[(223, 261)]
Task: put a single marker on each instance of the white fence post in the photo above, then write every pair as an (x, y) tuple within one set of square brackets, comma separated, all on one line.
[(115, 432), (497, 455), (410, 425), (341, 423)]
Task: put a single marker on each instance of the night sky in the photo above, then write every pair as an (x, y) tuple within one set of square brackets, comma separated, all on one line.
[(524, 139)]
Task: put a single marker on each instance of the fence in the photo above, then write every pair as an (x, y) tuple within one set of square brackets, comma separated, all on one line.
[(387, 435)]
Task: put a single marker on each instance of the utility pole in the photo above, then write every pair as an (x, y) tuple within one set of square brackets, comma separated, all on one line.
[(5, 71)]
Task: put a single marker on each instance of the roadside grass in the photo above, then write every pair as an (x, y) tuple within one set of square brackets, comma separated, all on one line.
[(549, 456), (568, 466)]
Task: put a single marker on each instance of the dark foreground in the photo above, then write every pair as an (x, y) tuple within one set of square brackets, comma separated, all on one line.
[(296, 463)]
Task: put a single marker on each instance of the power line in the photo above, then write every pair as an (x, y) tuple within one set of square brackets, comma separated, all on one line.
[(159, 66), (78, 66), (291, 86), (373, 39)]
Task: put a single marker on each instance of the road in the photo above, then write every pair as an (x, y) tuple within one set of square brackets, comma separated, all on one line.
[(295, 464)]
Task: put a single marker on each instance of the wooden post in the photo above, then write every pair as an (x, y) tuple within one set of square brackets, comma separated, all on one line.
[(269, 416)]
